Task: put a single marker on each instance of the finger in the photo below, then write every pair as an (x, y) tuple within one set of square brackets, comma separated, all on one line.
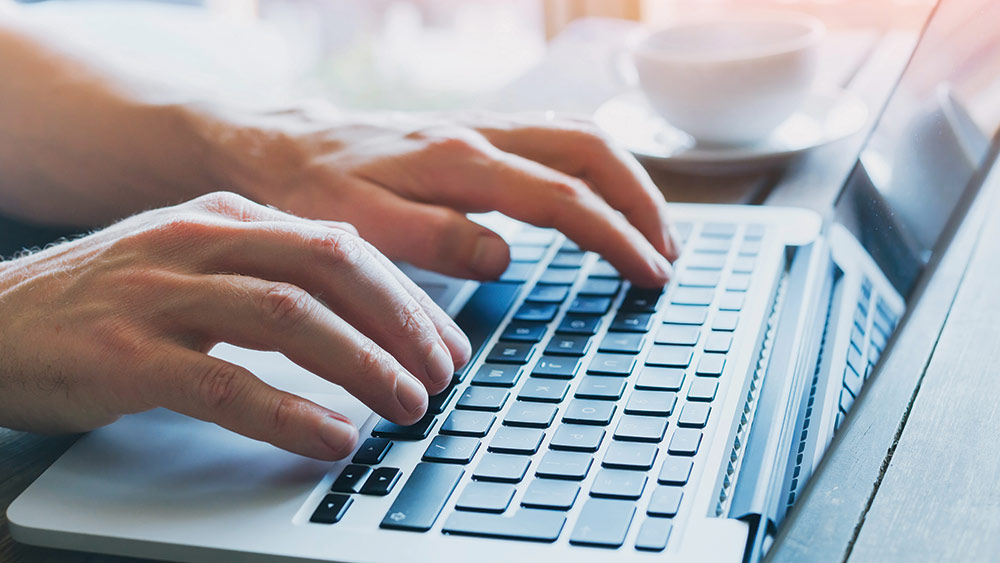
[(277, 316), (577, 149), (456, 340), (217, 391), (535, 193), (433, 237)]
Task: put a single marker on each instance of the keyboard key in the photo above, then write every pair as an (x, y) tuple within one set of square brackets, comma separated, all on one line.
[(482, 399), (675, 470), (519, 253), (533, 237), (604, 269), (572, 466), (709, 245), (579, 325), (511, 352), (718, 230), (598, 287), (679, 335), (568, 259), (703, 389), (504, 468), (422, 497), (754, 232), (653, 534), (725, 321), (685, 315), (743, 265), (513, 440), (738, 282), (536, 312), (550, 493), (706, 261), (694, 415), (603, 523), (331, 509), (623, 342), (699, 278), (543, 390), (693, 296), (711, 364), (556, 367), (417, 431), (483, 312), (612, 364), (853, 380), (468, 423), (666, 501), (669, 355), (601, 387), (589, 306), (652, 403), (483, 496), (626, 321), (660, 379), (451, 449), (372, 451), (497, 375), (523, 332), (718, 342), (437, 403), (577, 437), (568, 345), (531, 415), (641, 428), (750, 248), (618, 483), (525, 524), (731, 301), (642, 300), (630, 455), (559, 276), (587, 411), (846, 400), (685, 441), (381, 481), (518, 272), (548, 294)]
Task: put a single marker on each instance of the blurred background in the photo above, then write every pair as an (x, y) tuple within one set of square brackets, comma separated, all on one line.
[(391, 54)]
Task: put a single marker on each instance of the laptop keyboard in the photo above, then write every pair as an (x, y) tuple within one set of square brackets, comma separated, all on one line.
[(874, 322), (595, 396)]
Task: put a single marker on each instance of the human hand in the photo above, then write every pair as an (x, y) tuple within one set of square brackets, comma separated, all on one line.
[(121, 321), (406, 181)]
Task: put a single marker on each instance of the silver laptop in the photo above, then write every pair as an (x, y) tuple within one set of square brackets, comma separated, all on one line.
[(598, 421)]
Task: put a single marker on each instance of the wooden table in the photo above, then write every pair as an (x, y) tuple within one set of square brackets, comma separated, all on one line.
[(910, 474)]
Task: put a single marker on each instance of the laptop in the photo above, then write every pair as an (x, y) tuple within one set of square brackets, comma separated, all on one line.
[(597, 421)]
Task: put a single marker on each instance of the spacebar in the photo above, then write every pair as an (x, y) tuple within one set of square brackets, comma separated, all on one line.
[(483, 312), (525, 524)]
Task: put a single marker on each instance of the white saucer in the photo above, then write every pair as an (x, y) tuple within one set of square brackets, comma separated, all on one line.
[(824, 117)]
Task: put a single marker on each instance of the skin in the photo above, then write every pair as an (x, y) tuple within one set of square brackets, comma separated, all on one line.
[(120, 321)]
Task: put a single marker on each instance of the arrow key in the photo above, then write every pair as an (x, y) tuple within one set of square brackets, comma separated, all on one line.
[(332, 509), (381, 481)]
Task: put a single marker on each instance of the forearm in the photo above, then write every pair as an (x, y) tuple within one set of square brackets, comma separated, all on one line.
[(82, 142)]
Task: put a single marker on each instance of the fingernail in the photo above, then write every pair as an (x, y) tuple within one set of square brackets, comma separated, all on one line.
[(439, 367), (459, 344), (411, 395), (662, 268), (674, 242), (337, 434), (490, 256)]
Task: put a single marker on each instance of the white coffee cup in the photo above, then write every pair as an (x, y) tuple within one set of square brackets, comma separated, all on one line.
[(730, 80)]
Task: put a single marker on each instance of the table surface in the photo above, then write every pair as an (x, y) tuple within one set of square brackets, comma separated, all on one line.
[(909, 476)]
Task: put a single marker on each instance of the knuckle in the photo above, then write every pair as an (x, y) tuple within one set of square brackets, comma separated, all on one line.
[(369, 360), (448, 142), (223, 203), (284, 412), (341, 247), (285, 305), (412, 322), (220, 385)]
